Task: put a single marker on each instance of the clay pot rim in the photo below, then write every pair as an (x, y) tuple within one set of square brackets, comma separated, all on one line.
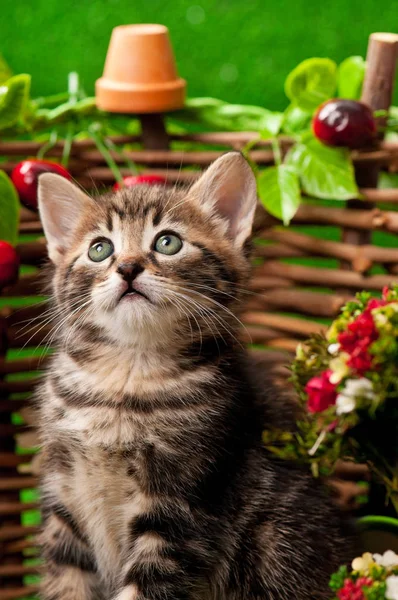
[(140, 87), (145, 28)]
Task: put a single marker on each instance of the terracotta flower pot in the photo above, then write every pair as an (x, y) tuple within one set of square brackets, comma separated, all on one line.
[(140, 74)]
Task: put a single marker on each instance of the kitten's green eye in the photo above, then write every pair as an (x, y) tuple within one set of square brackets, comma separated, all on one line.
[(101, 250), (168, 243)]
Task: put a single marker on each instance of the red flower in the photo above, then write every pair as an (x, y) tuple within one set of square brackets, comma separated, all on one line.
[(353, 590), (364, 325), (360, 361), (376, 303), (361, 334), (321, 392), (385, 292)]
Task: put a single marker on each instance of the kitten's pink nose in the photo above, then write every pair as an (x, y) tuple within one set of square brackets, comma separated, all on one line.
[(129, 270)]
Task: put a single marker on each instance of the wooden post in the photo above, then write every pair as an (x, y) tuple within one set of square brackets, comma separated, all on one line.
[(377, 93), (154, 134)]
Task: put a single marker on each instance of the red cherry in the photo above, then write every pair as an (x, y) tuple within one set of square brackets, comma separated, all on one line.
[(344, 123), (9, 263), (132, 180), (25, 177)]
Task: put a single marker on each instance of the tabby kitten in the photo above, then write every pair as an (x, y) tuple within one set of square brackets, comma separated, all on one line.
[(155, 484)]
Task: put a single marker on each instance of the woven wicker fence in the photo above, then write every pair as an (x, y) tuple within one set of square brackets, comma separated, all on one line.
[(301, 278)]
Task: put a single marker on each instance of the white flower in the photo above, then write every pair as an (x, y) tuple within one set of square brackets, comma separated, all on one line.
[(392, 587), (333, 348), (363, 563), (388, 559), (339, 368), (344, 404), (380, 319), (353, 389), (360, 388)]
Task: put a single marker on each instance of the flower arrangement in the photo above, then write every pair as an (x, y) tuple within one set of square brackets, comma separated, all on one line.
[(347, 382), (373, 577)]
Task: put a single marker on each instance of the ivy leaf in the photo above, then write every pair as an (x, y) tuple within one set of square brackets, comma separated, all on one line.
[(312, 82), (217, 114), (9, 210), (324, 172), (296, 120), (350, 77), (5, 71), (279, 191), (13, 98)]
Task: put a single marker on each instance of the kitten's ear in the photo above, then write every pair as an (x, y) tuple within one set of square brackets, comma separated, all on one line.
[(60, 205), (228, 189)]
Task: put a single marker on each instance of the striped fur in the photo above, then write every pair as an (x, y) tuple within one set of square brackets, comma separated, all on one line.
[(156, 485)]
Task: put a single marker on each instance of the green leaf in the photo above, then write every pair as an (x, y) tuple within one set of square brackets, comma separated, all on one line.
[(279, 191), (324, 172), (9, 210), (392, 121), (13, 99), (296, 120), (312, 82), (393, 110), (215, 113), (350, 77), (387, 180), (5, 71), (391, 136)]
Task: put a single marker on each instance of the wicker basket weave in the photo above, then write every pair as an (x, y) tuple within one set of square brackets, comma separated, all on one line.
[(279, 288), (291, 298)]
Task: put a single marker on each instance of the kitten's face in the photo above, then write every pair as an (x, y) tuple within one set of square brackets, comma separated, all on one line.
[(148, 261)]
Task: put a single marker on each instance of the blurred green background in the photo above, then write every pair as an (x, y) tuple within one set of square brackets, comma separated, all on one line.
[(234, 50)]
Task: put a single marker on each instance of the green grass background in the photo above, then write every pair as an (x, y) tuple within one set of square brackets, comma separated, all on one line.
[(238, 51)]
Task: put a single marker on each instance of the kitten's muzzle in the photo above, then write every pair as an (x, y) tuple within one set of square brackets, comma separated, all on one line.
[(129, 272), (131, 291)]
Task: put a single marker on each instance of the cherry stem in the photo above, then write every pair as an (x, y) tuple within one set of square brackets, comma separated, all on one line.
[(50, 144), (105, 152)]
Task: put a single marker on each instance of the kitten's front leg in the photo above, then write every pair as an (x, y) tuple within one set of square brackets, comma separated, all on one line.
[(168, 560), (70, 569)]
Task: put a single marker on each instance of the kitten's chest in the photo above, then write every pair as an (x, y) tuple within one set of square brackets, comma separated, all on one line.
[(105, 495)]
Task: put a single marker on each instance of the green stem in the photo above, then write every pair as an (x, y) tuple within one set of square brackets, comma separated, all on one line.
[(381, 458), (73, 86), (276, 149), (130, 164), (55, 99), (247, 147), (73, 91), (105, 153), (50, 144), (67, 145), (394, 501), (245, 151)]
